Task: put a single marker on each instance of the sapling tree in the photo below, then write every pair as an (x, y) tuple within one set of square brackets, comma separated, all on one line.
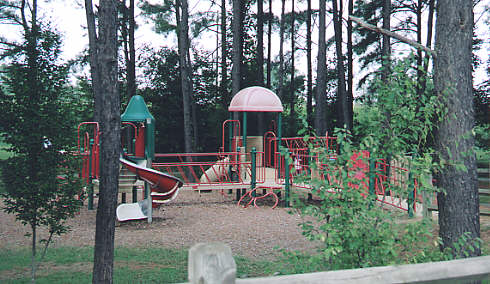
[(41, 188)]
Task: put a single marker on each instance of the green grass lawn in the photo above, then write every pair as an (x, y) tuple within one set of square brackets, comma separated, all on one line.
[(131, 265)]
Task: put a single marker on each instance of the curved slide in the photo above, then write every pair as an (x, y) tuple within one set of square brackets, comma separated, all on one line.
[(164, 188)]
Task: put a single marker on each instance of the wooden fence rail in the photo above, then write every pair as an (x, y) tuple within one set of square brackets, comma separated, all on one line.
[(213, 263)]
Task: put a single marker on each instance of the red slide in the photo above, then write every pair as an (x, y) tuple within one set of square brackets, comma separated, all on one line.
[(164, 188)]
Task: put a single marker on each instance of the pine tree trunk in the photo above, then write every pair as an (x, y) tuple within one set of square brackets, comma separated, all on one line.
[(292, 102), (110, 143), (132, 53), (281, 51), (430, 21), (224, 54), (459, 203), (269, 47), (386, 63), (345, 120), (236, 75), (420, 72), (350, 64), (260, 58), (183, 45), (94, 67), (309, 84), (386, 45), (321, 77)]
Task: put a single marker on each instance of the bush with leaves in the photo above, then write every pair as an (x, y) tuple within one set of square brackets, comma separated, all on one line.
[(352, 228)]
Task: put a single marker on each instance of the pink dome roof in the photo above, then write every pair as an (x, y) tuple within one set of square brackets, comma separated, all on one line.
[(256, 99)]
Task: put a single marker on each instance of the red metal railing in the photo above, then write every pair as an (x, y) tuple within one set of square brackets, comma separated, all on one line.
[(209, 168), (89, 153)]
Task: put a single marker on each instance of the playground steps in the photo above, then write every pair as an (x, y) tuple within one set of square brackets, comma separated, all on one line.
[(128, 180)]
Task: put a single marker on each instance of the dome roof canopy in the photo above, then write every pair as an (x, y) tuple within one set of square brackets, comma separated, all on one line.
[(256, 99), (136, 110)]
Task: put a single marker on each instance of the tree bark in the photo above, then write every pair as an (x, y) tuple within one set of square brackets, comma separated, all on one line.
[(260, 59), (110, 122), (94, 68), (281, 51), (292, 113), (309, 84), (394, 35), (428, 44), (344, 110), (224, 54), (350, 64), (183, 45), (132, 53), (420, 72), (386, 45), (459, 203), (269, 46), (321, 77), (236, 75)]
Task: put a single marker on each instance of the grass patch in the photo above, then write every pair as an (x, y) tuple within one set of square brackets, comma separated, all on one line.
[(131, 265), (71, 264)]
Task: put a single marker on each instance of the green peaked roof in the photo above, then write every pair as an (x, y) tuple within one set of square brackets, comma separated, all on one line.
[(136, 110)]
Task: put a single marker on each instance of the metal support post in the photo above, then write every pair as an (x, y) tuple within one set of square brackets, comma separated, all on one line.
[(135, 194), (253, 181), (245, 131), (372, 180), (237, 172), (286, 180), (411, 194), (90, 180), (230, 134)]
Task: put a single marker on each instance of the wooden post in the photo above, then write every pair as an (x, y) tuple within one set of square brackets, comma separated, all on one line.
[(211, 263)]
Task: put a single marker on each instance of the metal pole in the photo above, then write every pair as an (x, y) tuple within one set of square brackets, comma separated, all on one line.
[(372, 180), (286, 179), (411, 194), (135, 194), (253, 182), (230, 134), (278, 145), (236, 178), (148, 195), (245, 131), (90, 180)]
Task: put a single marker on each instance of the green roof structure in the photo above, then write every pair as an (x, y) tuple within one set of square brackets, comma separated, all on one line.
[(137, 110)]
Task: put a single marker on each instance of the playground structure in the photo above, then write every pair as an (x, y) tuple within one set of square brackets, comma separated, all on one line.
[(250, 164)]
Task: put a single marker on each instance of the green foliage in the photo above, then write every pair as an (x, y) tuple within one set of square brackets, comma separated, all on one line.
[(401, 120), (41, 184), (482, 138), (353, 230)]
